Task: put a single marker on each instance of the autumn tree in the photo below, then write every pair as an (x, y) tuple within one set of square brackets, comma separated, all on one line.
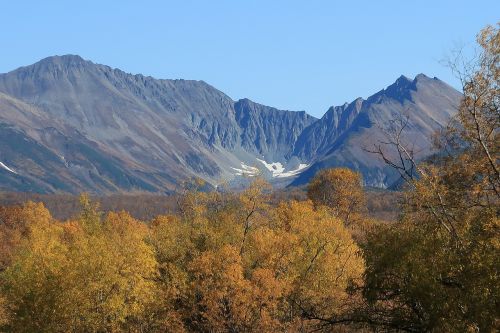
[(112, 273), (231, 262), (208, 223), (437, 269), (13, 228), (171, 240), (313, 257), (31, 283), (340, 190), (91, 274), (326, 263), (228, 301)]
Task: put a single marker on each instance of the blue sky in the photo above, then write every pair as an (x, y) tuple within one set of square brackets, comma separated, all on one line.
[(296, 55)]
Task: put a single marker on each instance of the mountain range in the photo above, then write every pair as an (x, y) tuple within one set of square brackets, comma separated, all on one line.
[(69, 125)]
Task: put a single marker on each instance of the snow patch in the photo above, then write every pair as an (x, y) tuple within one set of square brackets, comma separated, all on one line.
[(7, 168), (246, 170), (278, 170), (293, 172)]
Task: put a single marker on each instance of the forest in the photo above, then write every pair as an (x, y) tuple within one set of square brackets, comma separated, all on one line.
[(251, 261)]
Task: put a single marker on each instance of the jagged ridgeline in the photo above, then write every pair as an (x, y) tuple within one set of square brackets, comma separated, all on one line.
[(67, 124)]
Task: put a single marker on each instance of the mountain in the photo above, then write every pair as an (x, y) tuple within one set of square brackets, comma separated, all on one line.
[(109, 131), (69, 125), (428, 104)]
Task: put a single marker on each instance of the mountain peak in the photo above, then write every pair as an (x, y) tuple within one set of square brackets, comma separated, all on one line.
[(421, 76), (399, 90), (56, 63), (67, 59), (403, 80)]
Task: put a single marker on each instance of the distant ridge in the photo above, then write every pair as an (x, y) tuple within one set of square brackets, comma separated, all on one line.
[(69, 125)]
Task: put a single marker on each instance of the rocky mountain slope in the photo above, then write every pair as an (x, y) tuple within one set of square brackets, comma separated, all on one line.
[(69, 125), (427, 104)]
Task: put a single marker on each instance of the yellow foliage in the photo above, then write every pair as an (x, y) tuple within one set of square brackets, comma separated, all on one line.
[(229, 262), (340, 190), (65, 278)]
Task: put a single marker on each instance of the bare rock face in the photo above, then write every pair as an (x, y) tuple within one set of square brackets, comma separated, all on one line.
[(69, 125), (270, 132), (318, 138)]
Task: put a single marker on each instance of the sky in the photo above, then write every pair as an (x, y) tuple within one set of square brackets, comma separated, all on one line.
[(293, 55)]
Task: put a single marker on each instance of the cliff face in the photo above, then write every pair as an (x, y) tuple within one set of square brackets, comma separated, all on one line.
[(269, 132), (316, 139)]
